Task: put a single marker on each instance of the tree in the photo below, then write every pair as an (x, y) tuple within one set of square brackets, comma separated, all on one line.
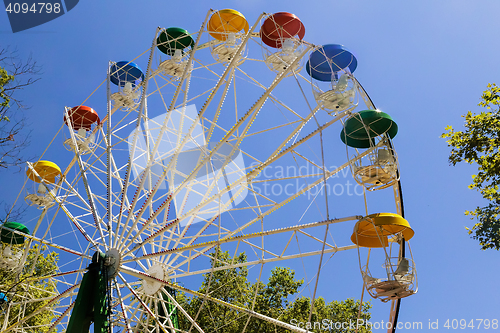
[(15, 75), (479, 145), (272, 299), (17, 285)]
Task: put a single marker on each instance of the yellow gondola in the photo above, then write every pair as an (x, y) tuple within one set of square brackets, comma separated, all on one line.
[(379, 231), (226, 21), (48, 171), (374, 229), (226, 27), (45, 173)]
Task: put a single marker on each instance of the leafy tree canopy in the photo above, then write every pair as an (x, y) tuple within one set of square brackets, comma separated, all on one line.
[(5, 78), (479, 145), (17, 285), (274, 299)]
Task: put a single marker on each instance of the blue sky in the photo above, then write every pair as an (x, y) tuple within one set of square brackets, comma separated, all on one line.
[(424, 62)]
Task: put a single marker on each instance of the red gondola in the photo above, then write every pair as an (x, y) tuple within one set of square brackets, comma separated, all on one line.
[(82, 117), (280, 26)]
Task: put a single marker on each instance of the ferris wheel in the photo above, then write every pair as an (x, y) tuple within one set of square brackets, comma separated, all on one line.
[(239, 137)]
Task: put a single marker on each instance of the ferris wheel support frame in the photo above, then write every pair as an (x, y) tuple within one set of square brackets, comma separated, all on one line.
[(230, 234), (250, 115), (127, 242), (252, 174)]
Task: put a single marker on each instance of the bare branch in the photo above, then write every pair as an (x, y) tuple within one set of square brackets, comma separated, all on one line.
[(14, 137)]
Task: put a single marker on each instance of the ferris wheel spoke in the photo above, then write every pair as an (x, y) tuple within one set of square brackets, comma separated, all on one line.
[(136, 133), (136, 217), (55, 275), (284, 253), (129, 307), (181, 309), (52, 302), (298, 193), (118, 199), (278, 153), (229, 239), (93, 209), (75, 221), (276, 322), (206, 246), (274, 259), (122, 304), (109, 161), (187, 73), (272, 97), (250, 115), (61, 317), (248, 177), (254, 108), (186, 78), (230, 66), (147, 309), (181, 145), (219, 106)]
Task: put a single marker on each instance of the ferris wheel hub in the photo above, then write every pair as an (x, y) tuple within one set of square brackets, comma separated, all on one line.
[(151, 287), (112, 262)]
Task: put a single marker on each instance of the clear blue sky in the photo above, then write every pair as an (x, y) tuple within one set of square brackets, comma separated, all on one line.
[(424, 62)]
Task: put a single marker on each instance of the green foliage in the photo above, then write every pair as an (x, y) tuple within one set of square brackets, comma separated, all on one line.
[(328, 314), (478, 144), (25, 284), (274, 299), (229, 285), (5, 78)]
